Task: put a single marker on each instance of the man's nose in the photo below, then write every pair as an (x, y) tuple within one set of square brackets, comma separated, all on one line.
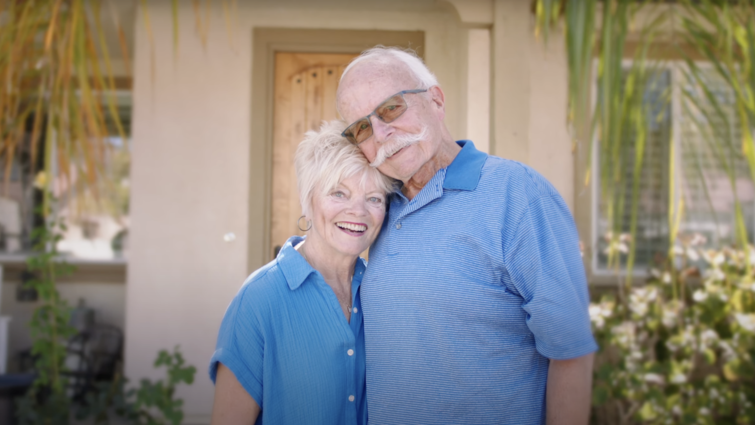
[(380, 130)]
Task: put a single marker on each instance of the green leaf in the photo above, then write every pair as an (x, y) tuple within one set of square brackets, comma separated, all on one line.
[(646, 412)]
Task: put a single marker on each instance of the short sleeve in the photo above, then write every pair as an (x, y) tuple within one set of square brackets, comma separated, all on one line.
[(240, 346), (544, 265)]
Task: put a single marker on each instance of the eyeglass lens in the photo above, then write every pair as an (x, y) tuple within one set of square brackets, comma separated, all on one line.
[(387, 112)]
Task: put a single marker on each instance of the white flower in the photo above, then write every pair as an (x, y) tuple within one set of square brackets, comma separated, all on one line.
[(747, 321), (624, 333), (594, 310), (638, 307), (699, 295), (599, 313), (708, 337), (639, 299), (666, 277), (728, 352), (652, 294), (654, 378), (692, 254), (596, 317), (697, 239), (676, 410), (678, 378), (714, 275), (704, 411), (655, 273), (669, 316), (678, 250)]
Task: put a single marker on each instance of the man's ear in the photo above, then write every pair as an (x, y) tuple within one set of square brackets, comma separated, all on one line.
[(438, 99)]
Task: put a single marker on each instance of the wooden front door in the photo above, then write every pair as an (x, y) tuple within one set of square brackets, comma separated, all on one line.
[(305, 95)]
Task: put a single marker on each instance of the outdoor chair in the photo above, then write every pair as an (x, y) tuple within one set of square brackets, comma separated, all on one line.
[(94, 355)]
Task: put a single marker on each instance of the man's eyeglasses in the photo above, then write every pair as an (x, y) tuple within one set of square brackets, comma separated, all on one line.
[(388, 111)]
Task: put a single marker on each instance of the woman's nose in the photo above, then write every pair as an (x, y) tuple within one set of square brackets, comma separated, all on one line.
[(358, 206)]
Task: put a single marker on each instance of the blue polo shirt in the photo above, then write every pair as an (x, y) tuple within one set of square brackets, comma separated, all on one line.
[(285, 338), (472, 286)]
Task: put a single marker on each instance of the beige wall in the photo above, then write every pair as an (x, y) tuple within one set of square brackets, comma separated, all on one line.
[(529, 97)]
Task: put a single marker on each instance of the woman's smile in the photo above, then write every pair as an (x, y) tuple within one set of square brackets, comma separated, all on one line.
[(353, 229)]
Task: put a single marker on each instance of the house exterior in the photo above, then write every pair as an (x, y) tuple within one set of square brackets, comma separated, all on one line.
[(202, 175), (204, 163)]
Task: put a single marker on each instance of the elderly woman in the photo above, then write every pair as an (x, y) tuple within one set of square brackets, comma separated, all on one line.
[(291, 345)]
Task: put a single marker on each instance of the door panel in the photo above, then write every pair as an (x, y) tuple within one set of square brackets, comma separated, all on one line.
[(305, 93)]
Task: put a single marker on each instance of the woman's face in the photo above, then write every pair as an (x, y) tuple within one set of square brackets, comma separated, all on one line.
[(347, 219)]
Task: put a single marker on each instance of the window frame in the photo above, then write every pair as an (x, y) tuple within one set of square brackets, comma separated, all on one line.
[(17, 259), (676, 68)]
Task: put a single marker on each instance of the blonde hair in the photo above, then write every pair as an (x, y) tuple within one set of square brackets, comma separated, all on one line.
[(325, 158)]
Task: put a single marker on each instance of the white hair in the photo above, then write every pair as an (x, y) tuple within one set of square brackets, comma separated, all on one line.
[(388, 55), (325, 158)]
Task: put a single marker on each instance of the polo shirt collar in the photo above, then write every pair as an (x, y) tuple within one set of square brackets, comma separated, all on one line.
[(464, 171), (296, 269), (293, 266)]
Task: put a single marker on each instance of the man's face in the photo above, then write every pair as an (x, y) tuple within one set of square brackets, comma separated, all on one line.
[(408, 142)]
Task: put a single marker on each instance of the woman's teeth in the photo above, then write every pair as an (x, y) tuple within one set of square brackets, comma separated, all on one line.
[(352, 227)]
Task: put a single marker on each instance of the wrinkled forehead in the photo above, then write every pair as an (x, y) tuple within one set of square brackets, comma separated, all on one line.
[(368, 84)]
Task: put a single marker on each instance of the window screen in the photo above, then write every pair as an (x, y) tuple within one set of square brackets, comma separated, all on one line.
[(711, 143), (708, 143), (652, 228)]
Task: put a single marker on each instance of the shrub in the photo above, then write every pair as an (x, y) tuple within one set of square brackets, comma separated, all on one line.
[(681, 348)]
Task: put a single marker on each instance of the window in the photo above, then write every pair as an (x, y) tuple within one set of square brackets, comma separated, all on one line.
[(97, 229), (705, 143)]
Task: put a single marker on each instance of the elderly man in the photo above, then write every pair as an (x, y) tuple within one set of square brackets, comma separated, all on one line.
[(475, 301)]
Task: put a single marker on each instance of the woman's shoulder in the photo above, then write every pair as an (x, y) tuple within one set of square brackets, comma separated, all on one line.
[(260, 292), (266, 281)]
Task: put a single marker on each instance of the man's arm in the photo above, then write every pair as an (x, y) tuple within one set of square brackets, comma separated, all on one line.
[(568, 391), (233, 405)]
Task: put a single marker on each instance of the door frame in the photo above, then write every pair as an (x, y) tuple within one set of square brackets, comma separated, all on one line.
[(265, 43)]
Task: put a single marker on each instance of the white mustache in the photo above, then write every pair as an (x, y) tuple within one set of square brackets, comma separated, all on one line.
[(397, 143)]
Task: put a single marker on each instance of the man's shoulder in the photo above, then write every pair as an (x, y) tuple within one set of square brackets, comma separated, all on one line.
[(506, 175)]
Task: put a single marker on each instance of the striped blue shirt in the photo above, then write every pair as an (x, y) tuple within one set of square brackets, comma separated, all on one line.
[(472, 286), (285, 338)]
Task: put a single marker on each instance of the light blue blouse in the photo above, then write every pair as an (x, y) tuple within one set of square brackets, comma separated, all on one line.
[(285, 338)]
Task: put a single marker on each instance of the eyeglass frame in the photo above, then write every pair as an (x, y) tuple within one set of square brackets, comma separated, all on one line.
[(374, 112)]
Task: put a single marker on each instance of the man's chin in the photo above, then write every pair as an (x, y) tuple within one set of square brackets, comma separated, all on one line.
[(396, 170)]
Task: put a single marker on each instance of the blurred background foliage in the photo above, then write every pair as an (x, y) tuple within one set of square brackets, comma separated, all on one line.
[(662, 96), (628, 61), (57, 104)]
